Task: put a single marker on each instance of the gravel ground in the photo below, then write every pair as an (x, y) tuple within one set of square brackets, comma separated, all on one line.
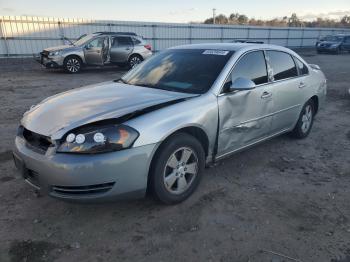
[(283, 198)]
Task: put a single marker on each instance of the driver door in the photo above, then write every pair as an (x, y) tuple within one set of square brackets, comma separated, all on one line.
[(245, 116), (93, 51)]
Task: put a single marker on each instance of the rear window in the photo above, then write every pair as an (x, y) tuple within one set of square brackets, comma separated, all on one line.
[(282, 64), (180, 70)]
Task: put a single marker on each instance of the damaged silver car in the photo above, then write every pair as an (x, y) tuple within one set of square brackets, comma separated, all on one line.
[(97, 49), (157, 127)]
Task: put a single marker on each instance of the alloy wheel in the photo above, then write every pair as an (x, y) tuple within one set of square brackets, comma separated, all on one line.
[(134, 61), (306, 119), (73, 65), (180, 170)]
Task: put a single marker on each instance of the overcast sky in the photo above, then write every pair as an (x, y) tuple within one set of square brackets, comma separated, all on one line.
[(173, 10)]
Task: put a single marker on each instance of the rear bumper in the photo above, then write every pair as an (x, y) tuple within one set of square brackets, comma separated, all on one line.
[(87, 178)]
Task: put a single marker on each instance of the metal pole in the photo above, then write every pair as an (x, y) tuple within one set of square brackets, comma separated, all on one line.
[(154, 37), (190, 34), (214, 15), (60, 29), (269, 36), (302, 38), (3, 35)]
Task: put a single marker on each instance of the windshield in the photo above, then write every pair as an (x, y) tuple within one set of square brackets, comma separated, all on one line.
[(83, 40), (180, 70), (331, 38)]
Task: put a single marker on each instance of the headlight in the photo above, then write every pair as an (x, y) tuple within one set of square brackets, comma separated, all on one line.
[(56, 53), (98, 139)]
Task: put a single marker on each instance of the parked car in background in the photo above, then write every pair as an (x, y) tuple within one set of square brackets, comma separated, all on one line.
[(334, 44), (159, 125), (100, 48)]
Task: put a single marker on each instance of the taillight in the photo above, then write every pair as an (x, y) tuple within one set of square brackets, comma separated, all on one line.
[(149, 47)]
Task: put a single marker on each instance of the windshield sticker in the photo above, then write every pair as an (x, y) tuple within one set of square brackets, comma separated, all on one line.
[(215, 52)]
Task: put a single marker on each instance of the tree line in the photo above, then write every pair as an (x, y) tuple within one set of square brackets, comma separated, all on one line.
[(292, 21)]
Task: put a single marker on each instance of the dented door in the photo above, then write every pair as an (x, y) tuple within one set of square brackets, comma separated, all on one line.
[(245, 118)]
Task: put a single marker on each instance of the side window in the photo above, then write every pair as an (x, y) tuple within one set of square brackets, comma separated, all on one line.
[(303, 70), (347, 40), (136, 41), (282, 65), (122, 41), (98, 42), (251, 66)]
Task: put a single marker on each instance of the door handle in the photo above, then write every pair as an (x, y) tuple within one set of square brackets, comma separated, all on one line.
[(266, 95), (302, 85), (128, 48)]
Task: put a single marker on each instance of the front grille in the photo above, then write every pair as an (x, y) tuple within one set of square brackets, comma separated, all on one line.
[(83, 190), (37, 141)]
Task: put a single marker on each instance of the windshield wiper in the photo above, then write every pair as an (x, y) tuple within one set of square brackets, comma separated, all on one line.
[(121, 80)]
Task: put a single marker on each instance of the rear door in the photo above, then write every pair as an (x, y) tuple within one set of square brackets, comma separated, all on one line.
[(287, 88), (245, 115), (122, 47)]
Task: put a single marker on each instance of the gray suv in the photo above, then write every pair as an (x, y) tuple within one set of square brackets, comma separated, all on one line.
[(101, 48)]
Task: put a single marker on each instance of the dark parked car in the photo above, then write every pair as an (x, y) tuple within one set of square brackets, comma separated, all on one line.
[(334, 44)]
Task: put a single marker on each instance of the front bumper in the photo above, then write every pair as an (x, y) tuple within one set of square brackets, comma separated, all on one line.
[(90, 178), (327, 49), (49, 61)]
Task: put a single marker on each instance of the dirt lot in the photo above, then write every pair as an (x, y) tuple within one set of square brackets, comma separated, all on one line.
[(283, 198)]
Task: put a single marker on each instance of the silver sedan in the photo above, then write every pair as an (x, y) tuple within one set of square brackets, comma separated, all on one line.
[(157, 127)]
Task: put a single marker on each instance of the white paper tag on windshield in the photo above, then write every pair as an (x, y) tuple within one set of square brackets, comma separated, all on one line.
[(215, 52)]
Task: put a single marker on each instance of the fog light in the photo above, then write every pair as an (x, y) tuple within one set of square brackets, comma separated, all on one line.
[(99, 138), (70, 138), (80, 139)]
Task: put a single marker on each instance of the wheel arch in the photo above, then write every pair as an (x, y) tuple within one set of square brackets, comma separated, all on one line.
[(315, 101), (195, 131), (76, 56)]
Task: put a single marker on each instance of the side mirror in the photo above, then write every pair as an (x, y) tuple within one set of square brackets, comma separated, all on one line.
[(88, 46), (242, 83)]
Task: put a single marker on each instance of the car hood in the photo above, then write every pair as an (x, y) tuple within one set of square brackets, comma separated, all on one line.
[(58, 114), (59, 48)]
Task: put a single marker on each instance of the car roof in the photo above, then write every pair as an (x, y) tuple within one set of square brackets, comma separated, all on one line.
[(233, 46), (115, 33)]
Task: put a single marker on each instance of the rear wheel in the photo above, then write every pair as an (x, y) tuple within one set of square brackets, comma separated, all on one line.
[(177, 168), (305, 121), (134, 60), (72, 64)]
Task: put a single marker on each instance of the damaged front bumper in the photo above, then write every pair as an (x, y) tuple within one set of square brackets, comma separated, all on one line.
[(47, 61), (85, 178)]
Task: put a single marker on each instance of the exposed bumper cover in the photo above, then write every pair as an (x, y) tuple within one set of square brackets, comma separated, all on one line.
[(90, 178)]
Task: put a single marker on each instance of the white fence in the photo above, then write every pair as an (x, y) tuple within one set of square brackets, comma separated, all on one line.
[(25, 36)]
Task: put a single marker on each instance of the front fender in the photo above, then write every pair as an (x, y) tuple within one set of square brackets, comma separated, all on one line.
[(156, 126)]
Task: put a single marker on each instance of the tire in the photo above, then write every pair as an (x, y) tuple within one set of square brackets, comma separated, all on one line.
[(305, 121), (134, 60), (72, 64), (177, 168)]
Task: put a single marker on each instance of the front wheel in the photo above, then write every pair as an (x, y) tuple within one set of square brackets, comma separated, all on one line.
[(305, 121), (72, 64), (177, 168)]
